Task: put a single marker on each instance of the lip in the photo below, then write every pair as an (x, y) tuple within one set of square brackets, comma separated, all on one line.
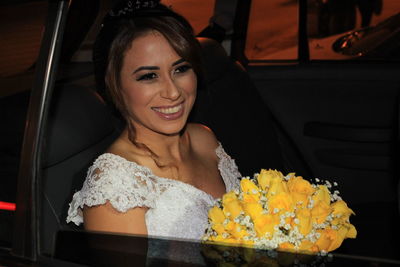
[(169, 116)]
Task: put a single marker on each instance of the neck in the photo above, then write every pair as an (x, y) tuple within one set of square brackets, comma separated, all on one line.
[(171, 147)]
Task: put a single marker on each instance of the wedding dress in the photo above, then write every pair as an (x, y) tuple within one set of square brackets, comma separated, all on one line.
[(176, 209)]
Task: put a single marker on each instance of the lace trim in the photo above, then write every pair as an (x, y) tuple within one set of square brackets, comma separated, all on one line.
[(126, 184)]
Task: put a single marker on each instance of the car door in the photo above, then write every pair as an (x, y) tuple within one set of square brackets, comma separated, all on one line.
[(339, 112)]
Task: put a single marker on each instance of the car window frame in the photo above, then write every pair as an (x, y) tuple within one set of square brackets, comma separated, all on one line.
[(25, 243)]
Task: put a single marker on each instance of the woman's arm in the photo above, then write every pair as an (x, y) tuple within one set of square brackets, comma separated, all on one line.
[(106, 219)]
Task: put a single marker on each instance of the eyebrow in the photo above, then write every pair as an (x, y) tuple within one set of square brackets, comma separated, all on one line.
[(179, 61)]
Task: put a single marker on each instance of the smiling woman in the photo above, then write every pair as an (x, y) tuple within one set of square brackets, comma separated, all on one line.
[(161, 168)]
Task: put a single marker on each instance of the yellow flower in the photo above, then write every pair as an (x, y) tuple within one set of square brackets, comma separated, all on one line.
[(219, 228), (250, 190), (306, 246), (266, 176), (221, 239), (236, 230), (281, 201), (228, 197), (352, 232), (320, 211), (232, 208), (253, 209), (231, 205), (341, 210), (286, 246), (277, 186), (331, 239), (322, 194), (297, 184), (305, 221), (247, 198), (265, 224), (216, 215), (299, 199), (248, 186)]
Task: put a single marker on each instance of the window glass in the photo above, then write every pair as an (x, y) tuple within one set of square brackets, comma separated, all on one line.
[(272, 30), (198, 13), (21, 29), (347, 30)]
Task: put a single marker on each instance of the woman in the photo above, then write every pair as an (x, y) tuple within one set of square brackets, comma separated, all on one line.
[(162, 174)]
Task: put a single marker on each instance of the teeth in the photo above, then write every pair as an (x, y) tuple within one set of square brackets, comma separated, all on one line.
[(169, 110)]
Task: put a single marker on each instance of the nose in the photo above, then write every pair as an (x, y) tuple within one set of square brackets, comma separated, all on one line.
[(171, 89)]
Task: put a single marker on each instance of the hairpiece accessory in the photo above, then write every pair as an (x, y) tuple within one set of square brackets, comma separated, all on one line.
[(128, 8)]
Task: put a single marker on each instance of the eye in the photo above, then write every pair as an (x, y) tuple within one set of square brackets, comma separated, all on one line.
[(183, 68), (147, 77)]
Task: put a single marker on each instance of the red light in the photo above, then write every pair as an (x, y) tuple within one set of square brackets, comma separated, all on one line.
[(7, 206)]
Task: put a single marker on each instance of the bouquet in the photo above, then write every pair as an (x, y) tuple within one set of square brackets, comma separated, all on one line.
[(273, 211)]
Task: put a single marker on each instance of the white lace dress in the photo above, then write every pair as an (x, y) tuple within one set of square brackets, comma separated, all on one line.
[(176, 209)]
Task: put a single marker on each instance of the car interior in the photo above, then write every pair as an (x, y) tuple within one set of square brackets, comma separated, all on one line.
[(337, 121)]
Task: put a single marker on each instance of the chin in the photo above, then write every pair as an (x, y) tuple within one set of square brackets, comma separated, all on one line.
[(171, 129)]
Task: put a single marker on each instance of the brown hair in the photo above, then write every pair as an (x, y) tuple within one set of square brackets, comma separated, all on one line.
[(180, 36)]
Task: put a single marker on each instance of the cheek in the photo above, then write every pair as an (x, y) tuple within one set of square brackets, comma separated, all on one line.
[(189, 85), (135, 97)]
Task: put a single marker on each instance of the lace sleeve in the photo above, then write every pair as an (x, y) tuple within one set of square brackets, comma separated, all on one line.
[(111, 178), (228, 169)]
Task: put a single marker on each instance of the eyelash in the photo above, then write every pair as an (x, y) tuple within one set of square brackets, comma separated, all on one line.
[(147, 77), (183, 68), (150, 76)]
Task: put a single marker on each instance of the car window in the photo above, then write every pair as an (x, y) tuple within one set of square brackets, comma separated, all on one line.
[(332, 26), (352, 30), (198, 13), (21, 29), (272, 30)]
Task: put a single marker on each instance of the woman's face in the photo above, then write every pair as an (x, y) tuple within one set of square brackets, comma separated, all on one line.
[(158, 86)]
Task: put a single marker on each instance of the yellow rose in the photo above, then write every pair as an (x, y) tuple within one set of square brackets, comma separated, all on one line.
[(232, 208), (330, 239), (219, 228), (231, 205), (305, 221), (306, 246), (320, 211), (236, 230), (216, 215), (266, 176), (253, 209), (265, 224), (250, 190), (286, 246), (281, 201), (228, 197), (221, 239), (299, 199), (299, 185), (247, 198), (352, 232), (248, 186), (278, 185), (340, 209), (322, 194)]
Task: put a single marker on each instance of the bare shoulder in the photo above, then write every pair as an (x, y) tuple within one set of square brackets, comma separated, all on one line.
[(202, 138), (124, 149)]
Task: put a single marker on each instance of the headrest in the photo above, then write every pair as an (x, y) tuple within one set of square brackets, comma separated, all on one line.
[(78, 119), (214, 57)]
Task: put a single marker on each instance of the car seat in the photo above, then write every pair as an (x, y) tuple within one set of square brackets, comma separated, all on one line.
[(80, 127)]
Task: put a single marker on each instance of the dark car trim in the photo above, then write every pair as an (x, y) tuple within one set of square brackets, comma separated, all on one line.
[(25, 240)]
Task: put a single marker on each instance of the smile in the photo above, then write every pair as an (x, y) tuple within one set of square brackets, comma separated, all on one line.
[(169, 110)]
